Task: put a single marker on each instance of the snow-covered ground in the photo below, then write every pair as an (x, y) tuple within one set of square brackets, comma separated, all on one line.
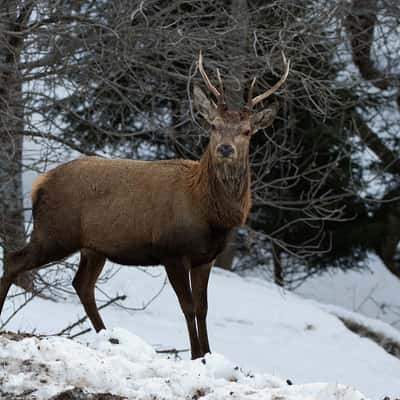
[(119, 362), (251, 322), (373, 293)]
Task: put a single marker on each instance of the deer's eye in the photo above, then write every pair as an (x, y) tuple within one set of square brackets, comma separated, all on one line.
[(213, 127), (246, 132)]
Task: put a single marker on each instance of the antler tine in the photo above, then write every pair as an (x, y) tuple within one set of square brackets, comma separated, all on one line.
[(221, 85), (221, 99), (250, 94), (210, 86), (277, 85)]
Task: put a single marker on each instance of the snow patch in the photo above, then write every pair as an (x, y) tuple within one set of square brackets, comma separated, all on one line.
[(373, 292), (121, 363), (252, 322)]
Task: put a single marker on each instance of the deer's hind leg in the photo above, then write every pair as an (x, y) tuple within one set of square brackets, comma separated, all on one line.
[(90, 267), (15, 263), (34, 255)]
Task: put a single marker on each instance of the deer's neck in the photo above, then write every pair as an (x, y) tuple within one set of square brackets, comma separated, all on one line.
[(224, 190)]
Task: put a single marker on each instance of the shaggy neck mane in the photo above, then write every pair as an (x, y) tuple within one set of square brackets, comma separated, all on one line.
[(224, 190)]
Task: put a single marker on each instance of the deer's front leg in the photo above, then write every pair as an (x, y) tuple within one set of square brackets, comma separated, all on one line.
[(178, 275), (199, 279)]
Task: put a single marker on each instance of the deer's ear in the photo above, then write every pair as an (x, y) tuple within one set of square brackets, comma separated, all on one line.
[(203, 105), (264, 118)]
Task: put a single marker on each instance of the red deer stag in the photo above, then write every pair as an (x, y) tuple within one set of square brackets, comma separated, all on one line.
[(177, 213)]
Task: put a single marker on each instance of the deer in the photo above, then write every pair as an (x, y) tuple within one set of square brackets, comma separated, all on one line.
[(176, 213)]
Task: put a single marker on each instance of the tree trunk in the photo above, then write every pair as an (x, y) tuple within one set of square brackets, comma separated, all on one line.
[(278, 271), (360, 26), (12, 229), (239, 51), (387, 249)]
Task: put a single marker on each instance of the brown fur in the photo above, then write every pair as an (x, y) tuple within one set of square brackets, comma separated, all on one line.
[(137, 212), (177, 213), (37, 183)]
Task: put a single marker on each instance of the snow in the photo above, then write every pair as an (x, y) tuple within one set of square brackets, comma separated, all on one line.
[(131, 368), (374, 325), (251, 322), (373, 293)]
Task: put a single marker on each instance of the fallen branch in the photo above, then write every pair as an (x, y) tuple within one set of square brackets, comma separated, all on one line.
[(83, 319), (80, 333), (144, 305), (174, 352)]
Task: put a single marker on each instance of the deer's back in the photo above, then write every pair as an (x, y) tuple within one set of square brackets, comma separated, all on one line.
[(133, 212)]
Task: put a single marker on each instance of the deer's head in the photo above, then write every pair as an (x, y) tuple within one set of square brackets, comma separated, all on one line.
[(231, 130)]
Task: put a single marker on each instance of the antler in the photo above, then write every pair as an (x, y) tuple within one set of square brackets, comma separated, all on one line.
[(221, 85), (250, 94), (252, 102), (219, 95)]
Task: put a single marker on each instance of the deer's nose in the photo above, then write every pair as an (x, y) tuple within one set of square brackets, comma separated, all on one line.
[(225, 150)]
